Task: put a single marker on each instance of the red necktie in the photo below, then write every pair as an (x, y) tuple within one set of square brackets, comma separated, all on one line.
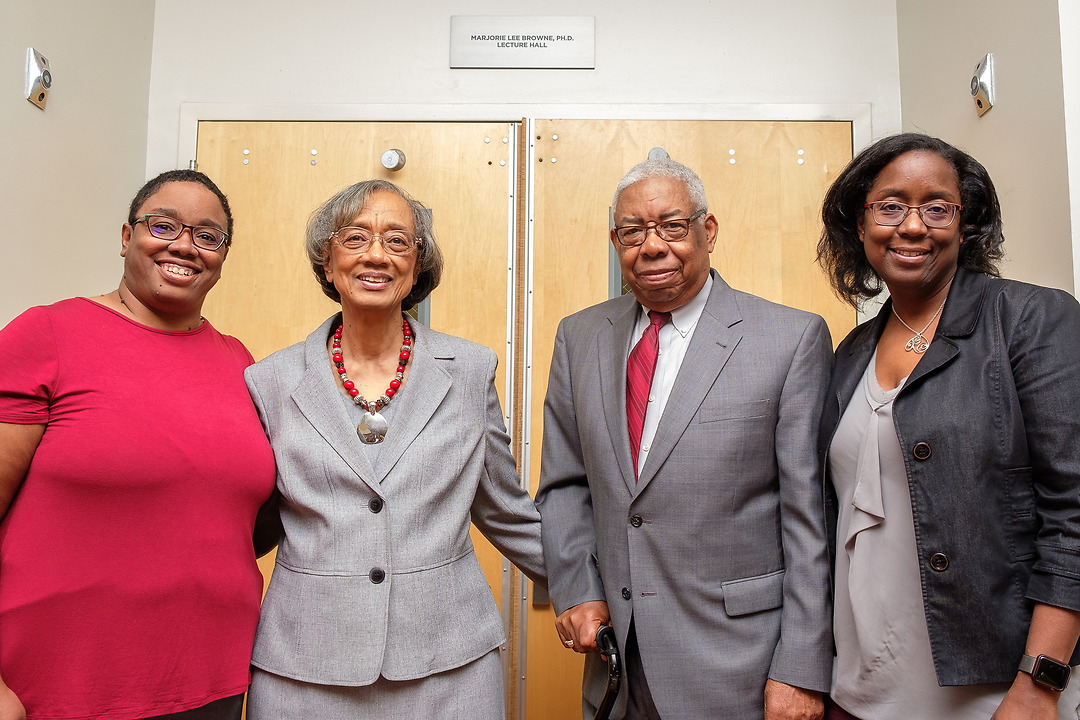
[(640, 367)]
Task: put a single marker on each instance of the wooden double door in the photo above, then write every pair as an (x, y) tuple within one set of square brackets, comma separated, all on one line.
[(521, 212)]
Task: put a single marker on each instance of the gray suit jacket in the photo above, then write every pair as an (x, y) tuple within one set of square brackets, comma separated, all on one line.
[(376, 572), (719, 550)]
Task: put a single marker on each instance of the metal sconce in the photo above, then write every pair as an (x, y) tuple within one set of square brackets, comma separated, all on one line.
[(38, 78), (982, 84)]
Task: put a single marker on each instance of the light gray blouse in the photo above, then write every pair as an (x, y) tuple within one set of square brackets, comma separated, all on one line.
[(884, 669)]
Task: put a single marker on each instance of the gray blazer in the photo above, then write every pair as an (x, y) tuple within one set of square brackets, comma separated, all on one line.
[(376, 573), (719, 550)]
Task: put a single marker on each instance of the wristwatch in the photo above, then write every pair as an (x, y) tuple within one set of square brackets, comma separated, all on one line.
[(1048, 672)]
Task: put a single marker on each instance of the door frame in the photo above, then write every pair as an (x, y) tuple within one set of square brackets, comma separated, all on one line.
[(518, 389), (858, 114)]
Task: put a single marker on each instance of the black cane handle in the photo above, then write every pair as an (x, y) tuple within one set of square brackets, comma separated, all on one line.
[(609, 648)]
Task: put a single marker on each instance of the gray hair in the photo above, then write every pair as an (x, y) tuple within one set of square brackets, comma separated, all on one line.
[(340, 210), (664, 167)]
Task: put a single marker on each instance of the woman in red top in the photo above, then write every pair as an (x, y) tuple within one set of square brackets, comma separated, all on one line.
[(133, 468)]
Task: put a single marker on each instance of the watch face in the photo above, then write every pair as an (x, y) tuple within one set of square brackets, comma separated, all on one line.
[(1050, 673)]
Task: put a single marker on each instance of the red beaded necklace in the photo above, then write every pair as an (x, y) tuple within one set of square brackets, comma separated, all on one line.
[(373, 426)]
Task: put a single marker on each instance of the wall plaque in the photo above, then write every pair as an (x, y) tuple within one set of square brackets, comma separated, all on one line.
[(500, 41)]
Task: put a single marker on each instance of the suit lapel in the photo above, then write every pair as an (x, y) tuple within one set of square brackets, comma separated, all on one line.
[(428, 384), (613, 341), (850, 368), (715, 338), (319, 399), (958, 319), (962, 312)]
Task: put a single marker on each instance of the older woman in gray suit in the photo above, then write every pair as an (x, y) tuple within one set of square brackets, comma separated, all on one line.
[(388, 437)]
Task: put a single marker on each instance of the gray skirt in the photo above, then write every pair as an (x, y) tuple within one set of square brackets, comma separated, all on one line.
[(473, 691)]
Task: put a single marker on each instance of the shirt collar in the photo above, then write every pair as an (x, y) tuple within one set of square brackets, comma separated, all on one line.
[(684, 318)]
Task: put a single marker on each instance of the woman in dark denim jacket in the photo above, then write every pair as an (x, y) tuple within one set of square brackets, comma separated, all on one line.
[(951, 438)]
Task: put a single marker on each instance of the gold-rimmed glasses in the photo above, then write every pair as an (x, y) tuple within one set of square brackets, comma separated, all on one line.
[(358, 240)]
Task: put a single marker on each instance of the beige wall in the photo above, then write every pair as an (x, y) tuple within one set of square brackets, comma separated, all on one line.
[(124, 69), (68, 173), (1070, 71), (1022, 140), (331, 53)]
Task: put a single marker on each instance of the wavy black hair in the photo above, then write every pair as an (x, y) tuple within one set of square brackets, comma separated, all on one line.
[(840, 253)]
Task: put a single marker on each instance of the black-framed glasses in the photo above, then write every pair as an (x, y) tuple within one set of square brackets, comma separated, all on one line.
[(672, 230), (164, 227), (936, 214), (358, 240)]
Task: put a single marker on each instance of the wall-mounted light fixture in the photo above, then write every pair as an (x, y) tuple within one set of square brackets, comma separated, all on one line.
[(38, 78), (982, 84)]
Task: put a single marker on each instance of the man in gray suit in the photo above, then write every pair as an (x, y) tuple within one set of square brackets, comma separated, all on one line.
[(702, 539)]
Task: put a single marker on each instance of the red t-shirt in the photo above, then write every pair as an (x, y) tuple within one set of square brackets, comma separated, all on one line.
[(128, 583)]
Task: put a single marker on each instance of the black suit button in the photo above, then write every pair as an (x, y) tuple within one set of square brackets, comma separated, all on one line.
[(939, 561), (375, 504), (626, 593), (377, 575), (635, 520), (921, 451)]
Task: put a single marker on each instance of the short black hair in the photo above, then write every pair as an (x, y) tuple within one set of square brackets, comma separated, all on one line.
[(155, 184)]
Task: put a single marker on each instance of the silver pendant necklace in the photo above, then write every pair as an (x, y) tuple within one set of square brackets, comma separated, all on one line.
[(918, 343), (373, 426)]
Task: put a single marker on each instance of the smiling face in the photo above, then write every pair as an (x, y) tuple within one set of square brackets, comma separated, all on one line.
[(663, 276), (170, 278), (375, 280), (911, 258)]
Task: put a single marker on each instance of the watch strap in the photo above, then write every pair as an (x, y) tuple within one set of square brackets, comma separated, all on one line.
[(1027, 664)]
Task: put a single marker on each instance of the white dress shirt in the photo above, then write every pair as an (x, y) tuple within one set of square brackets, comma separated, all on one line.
[(674, 339)]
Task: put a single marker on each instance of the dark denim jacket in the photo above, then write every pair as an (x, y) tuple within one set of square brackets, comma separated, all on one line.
[(989, 424)]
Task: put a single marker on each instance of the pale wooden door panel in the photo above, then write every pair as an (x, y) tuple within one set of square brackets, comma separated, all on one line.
[(268, 296), (268, 292)]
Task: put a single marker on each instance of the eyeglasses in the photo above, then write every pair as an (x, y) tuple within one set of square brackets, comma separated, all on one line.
[(937, 214), (358, 240), (672, 230), (164, 227)]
